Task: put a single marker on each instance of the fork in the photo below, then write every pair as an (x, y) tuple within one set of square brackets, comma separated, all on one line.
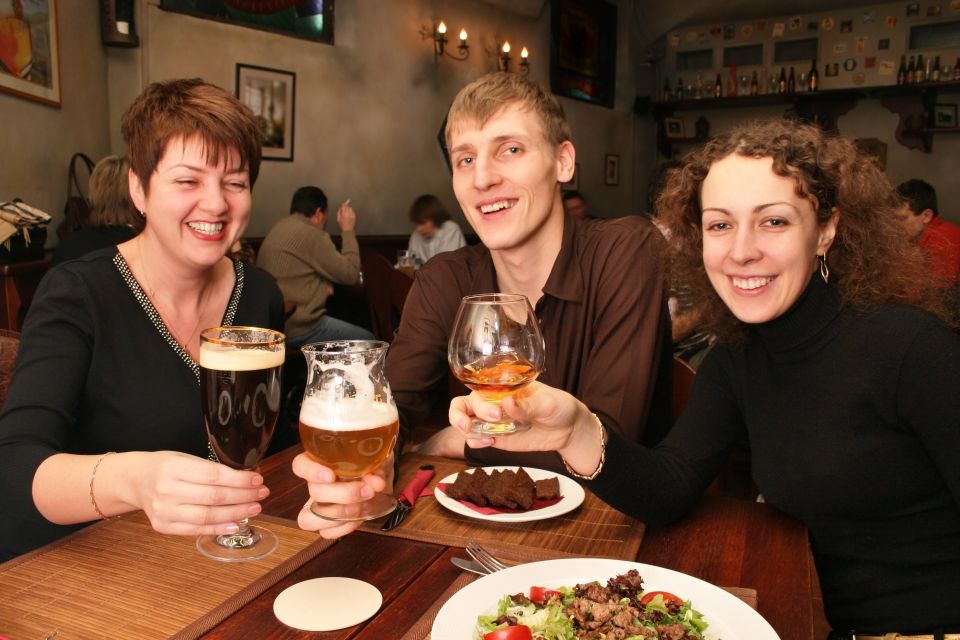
[(484, 558)]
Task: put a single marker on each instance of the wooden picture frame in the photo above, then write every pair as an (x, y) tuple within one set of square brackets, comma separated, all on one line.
[(611, 170), (313, 21), (583, 50), (271, 95), (31, 60), (673, 128), (945, 116)]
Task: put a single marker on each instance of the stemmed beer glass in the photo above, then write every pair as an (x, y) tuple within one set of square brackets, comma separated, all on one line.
[(348, 419), (240, 377), (496, 349)]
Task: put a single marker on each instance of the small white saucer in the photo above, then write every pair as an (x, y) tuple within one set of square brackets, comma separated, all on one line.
[(327, 604)]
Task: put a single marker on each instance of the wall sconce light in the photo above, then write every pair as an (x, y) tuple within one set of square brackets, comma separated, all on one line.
[(439, 36), (503, 59)]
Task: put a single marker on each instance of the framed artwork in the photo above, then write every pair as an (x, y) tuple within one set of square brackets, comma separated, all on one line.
[(945, 115), (673, 127), (271, 95), (574, 183), (308, 20), (583, 50), (30, 51), (611, 170)]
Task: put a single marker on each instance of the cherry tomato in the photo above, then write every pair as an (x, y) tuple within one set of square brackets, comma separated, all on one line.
[(519, 632), (668, 598), (542, 594)]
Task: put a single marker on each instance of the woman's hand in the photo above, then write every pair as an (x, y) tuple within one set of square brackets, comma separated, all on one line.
[(186, 495), (325, 489), (557, 420)]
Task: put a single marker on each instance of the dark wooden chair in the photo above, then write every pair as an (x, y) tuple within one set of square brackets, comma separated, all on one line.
[(683, 375), (9, 344), (387, 290)]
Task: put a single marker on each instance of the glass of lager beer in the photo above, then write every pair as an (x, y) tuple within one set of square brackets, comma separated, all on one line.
[(496, 349), (240, 376), (348, 419)]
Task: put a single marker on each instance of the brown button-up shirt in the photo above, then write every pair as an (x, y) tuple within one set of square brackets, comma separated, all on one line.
[(604, 320)]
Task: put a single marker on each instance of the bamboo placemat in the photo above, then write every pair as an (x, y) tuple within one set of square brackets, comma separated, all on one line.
[(120, 579), (592, 529)]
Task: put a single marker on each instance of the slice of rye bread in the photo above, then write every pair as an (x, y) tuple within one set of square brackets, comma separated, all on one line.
[(502, 488), (548, 488)]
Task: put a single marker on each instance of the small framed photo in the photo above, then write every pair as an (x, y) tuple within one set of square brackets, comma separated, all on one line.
[(611, 171), (673, 127), (945, 115), (271, 95)]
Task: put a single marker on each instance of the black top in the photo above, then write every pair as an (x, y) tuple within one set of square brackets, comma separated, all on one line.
[(98, 371), (853, 420), (83, 241)]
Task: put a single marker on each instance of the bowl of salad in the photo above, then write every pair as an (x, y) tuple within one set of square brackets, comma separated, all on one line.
[(577, 598)]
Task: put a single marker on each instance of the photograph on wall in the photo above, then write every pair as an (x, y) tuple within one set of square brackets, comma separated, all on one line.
[(29, 50), (583, 50), (271, 95), (945, 115), (309, 20), (611, 172)]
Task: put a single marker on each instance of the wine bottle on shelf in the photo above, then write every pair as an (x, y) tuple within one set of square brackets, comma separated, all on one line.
[(935, 73), (665, 96), (732, 80), (927, 71), (782, 82), (813, 79), (918, 71), (754, 85), (902, 71), (718, 87), (792, 82), (678, 94), (911, 68)]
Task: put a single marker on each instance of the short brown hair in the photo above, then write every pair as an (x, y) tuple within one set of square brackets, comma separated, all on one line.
[(109, 196), (428, 207), (871, 260), (485, 97), (185, 109)]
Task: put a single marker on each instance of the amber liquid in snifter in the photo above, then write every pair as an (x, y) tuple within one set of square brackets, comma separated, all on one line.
[(498, 376)]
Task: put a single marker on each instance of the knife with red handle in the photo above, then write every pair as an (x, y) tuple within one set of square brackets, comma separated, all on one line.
[(408, 496)]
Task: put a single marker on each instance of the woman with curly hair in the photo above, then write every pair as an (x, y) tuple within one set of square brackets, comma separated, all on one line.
[(835, 362)]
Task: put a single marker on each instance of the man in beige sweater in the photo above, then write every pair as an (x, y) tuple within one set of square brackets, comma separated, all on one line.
[(305, 262)]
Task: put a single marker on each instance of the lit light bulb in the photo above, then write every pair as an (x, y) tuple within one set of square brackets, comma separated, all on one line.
[(524, 53), (441, 28), (463, 35), (506, 47)]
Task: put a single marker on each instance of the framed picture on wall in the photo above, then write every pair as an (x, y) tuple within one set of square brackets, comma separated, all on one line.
[(945, 115), (271, 95), (673, 127), (30, 51), (611, 170), (308, 20), (583, 50)]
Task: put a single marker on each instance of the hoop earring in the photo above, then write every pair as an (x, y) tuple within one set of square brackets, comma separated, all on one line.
[(824, 269)]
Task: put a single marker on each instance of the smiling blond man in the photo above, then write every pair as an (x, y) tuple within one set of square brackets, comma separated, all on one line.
[(596, 285)]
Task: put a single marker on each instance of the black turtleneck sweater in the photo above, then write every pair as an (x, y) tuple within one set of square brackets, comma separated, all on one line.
[(853, 422)]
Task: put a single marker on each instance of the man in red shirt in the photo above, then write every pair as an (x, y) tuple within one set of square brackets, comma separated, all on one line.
[(939, 238)]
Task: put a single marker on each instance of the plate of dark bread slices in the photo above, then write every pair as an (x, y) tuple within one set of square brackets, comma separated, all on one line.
[(509, 494)]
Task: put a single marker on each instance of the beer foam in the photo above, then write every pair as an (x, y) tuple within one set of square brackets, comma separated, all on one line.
[(220, 359), (353, 414)]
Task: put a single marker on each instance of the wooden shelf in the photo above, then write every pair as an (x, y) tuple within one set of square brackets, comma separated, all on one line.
[(913, 103)]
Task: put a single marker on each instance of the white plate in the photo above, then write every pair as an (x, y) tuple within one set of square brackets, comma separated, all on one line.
[(729, 617), (571, 491)]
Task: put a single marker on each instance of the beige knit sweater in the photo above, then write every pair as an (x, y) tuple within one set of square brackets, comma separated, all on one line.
[(304, 261)]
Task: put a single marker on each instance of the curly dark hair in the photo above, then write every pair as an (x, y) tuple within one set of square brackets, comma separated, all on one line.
[(871, 260)]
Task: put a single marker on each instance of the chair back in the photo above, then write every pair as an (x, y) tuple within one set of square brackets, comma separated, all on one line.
[(386, 290), (683, 375), (9, 344)]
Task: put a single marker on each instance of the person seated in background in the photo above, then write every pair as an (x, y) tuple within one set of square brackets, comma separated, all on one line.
[(113, 219), (841, 372), (300, 255), (574, 204), (940, 239), (596, 286), (109, 351), (435, 231)]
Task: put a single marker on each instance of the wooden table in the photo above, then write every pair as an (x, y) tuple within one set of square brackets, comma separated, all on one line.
[(726, 541)]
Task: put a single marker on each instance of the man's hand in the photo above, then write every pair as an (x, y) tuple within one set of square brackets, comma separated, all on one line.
[(346, 217)]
